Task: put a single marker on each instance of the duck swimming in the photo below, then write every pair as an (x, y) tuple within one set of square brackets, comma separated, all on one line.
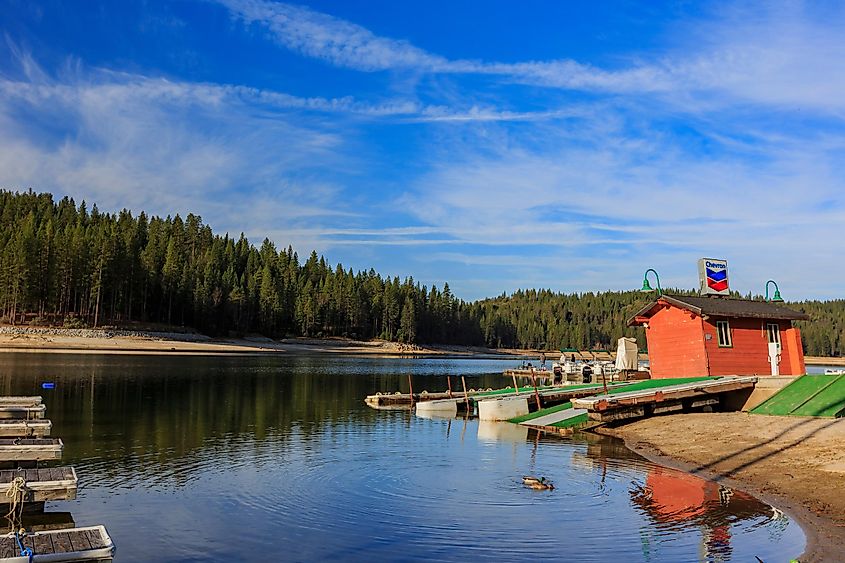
[(537, 483)]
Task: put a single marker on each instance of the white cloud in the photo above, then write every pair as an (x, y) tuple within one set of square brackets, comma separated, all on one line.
[(337, 41), (777, 54)]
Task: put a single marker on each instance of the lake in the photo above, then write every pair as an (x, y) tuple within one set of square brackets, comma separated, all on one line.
[(278, 458)]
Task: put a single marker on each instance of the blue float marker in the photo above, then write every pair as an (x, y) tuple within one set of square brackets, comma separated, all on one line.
[(48, 385)]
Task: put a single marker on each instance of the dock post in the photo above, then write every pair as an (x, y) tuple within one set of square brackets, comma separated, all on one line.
[(466, 395), (536, 392), (515, 386), (449, 380), (411, 386)]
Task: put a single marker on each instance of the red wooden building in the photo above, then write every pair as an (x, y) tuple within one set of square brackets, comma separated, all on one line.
[(694, 336)]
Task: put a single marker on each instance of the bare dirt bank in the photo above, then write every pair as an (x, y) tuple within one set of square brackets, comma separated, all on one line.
[(794, 463), (103, 342)]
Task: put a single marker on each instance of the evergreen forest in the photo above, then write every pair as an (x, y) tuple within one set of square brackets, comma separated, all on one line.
[(62, 264)]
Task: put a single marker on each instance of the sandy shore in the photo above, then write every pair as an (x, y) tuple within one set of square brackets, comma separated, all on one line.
[(197, 345), (795, 463)]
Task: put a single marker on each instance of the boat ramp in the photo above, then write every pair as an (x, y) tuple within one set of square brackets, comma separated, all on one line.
[(26, 484)]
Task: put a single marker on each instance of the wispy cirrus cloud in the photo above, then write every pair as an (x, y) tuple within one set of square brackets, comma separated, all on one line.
[(728, 58)]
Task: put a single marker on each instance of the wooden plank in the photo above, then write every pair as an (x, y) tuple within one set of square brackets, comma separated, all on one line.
[(79, 540), (668, 408), (61, 542), (21, 400), (43, 544), (618, 414), (96, 539), (8, 547)]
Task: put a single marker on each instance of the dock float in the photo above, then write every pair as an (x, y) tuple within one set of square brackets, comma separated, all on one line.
[(42, 484), (39, 428), (25, 411), (403, 400), (666, 398), (505, 406), (79, 544), (30, 449), (25, 401)]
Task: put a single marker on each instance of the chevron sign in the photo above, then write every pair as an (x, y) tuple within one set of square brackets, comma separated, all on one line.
[(713, 276)]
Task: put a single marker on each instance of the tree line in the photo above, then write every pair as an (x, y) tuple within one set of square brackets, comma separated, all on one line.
[(63, 264)]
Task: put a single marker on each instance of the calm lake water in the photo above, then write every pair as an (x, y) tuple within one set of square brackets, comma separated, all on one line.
[(260, 459)]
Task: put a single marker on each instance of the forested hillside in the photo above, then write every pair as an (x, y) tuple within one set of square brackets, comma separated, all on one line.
[(63, 264)]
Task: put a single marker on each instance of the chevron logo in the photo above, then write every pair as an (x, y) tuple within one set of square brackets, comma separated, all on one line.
[(717, 275), (717, 285)]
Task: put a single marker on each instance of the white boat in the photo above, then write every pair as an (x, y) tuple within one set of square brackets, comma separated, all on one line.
[(576, 372), (836, 371)]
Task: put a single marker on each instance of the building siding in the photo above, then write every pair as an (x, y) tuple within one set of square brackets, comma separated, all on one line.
[(749, 354), (675, 344)]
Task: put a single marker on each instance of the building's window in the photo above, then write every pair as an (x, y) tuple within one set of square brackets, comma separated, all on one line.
[(773, 331), (723, 331)]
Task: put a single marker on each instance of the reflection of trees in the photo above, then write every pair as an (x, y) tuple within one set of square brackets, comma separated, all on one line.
[(170, 410)]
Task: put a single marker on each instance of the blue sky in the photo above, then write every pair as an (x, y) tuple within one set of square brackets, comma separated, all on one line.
[(494, 145)]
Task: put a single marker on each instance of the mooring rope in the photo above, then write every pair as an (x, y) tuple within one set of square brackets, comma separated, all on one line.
[(15, 494), (25, 551)]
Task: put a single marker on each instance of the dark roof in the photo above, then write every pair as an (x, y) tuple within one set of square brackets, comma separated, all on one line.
[(724, 307)]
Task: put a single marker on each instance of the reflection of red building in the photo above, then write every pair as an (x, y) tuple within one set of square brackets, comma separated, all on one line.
[(674, 498), (694, 336)]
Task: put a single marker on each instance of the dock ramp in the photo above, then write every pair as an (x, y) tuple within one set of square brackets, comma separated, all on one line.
[(808, 395)]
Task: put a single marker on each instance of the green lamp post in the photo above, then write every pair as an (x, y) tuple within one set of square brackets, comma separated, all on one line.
[(776, 297), (646, 287)]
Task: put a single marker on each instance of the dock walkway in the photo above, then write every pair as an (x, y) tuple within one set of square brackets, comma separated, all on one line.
[(24, 490), (42, 484), (555, 417), (78, 544), (39, 428), (661, 396), (30, 449)]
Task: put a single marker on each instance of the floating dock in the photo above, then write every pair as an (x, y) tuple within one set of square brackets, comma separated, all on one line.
[(25, 411), (79, 544), (39, 428), (404, 400), (30, 449), (42, 484), (506, 403), (24, 431), (666, 398), (28, 401)]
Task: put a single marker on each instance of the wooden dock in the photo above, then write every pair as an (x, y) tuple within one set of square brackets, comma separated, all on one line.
[(661, 400), (25, 401), (24, 411), (25, 428), (30, 449), (51, 537), (42, 484), (79, 544)]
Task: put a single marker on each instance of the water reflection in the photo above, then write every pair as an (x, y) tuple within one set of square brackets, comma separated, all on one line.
[(227, 459)]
